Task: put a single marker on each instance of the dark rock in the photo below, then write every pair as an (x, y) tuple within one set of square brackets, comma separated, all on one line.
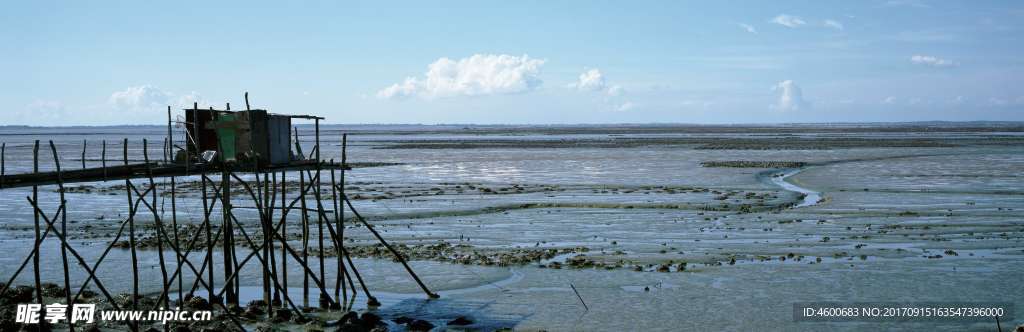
[(20, 294), (370, 319), (350, 327), (52, 290), (349, 317), (401, 320), (460, 321), (198, 303), (96, 328), (282, 314), (420, 325)]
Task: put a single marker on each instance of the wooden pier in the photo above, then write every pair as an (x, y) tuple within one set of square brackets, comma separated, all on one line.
[(262, 178)]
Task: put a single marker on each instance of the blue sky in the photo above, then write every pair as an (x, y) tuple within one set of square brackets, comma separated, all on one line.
[(92, 63)]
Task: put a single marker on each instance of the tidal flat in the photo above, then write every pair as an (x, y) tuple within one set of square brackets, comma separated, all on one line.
[(654, 227)]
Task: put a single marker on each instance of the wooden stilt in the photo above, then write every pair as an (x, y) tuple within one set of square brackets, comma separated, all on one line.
[(35, 197), (156, 221), (131, 233), (63, 230)]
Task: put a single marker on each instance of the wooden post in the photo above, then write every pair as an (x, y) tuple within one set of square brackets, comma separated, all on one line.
[(84, 144), (337, 245), (156, 221), (209, 241), (305, 236), (276, 300), (63, 230), (131, 233), (284, 234), (3, 165), (177, 244), (229, 262), (265, 222), (103, 159), (169, 153), (320, 216), (35, 197)]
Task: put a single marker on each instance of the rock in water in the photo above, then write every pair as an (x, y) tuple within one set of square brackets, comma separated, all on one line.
[(420, 325), (460, 321)]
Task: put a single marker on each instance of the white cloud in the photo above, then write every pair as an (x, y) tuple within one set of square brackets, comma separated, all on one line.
[(749, 28), (788, 20), (834, 24), (147, 97), (889, 100), (590, 80), (791, 97), (139, 97), (928, 60), (994, 101), (615, 90), (625, 107), (477, 75)]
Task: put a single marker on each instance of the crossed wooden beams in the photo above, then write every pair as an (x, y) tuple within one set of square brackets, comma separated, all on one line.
[(142, 199)]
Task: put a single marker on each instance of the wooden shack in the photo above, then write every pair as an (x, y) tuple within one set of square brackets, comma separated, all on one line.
[(240, 136)]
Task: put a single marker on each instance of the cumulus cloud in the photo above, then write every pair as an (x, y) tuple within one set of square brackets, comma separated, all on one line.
[(477, 75), (593, 80), (749, 28), (148, 97), (788, 20), (590, 80), (928, 60), (834, 24), (791, 97)]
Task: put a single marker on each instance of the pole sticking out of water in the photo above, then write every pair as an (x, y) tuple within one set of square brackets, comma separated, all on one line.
[(63, 230), (103, 159), (305, 236), (169, 144), (35, 197), (3, 165), (84, 144)]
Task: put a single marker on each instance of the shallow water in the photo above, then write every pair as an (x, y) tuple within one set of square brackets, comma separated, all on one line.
[(875, 217)]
